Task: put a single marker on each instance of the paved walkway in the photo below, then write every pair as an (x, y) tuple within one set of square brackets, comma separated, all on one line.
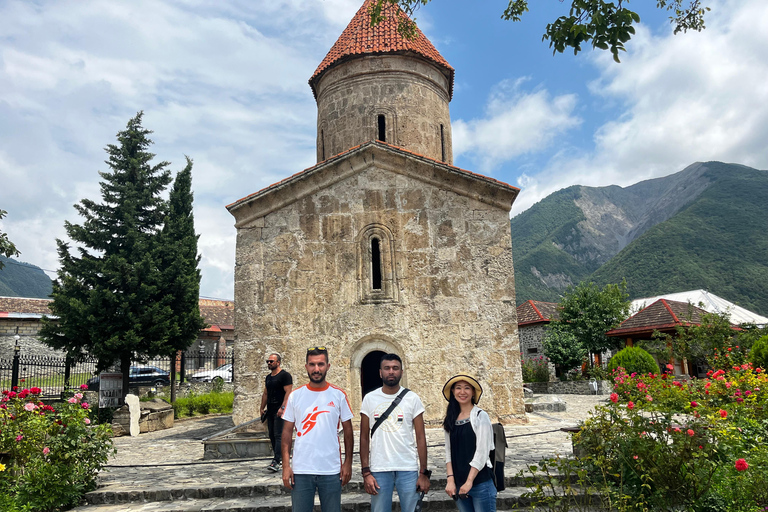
[(173, 458)]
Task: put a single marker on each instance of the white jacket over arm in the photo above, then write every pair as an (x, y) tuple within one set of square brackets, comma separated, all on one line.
[(481, 426)]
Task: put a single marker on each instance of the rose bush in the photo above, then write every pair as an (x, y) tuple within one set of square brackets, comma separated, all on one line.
[(51, 455), (535, 369), (663, 444)]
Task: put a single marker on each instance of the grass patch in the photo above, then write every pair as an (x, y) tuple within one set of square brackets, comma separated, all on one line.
[(207, 403)]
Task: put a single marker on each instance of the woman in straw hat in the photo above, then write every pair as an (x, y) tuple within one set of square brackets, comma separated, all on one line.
[(468, 444)]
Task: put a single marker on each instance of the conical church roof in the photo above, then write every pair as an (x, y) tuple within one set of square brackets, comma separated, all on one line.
[(360, 38)]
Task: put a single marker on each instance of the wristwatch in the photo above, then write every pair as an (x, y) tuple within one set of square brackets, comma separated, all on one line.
[(426, 472)]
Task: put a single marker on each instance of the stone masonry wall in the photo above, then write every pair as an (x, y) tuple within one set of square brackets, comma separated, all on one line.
[(298, 284), (411, 93), (532, 344)]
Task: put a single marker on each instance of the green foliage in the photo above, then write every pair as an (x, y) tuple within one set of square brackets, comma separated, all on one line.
[(535, 369), (660, 444), (759, 353), (7, 248), (54, 454), (588, 312), (607, 25), (123, 294), (178, 253), (634, 360), (207, 403), (563, 349)]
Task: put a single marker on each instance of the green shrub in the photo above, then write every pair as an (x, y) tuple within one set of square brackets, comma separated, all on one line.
[(759, 353), (634, 360), (535, 369), (53, 454)]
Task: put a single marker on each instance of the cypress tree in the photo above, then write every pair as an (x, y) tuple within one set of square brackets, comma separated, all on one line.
[(109, 296), (181, 275)]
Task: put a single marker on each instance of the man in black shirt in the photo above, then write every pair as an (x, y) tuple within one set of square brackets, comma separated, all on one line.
[(277, 387)]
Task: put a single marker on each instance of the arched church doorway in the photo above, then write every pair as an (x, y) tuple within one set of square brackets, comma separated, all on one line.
[(369, 371)]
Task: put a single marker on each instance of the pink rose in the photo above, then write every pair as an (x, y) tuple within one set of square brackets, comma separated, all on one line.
[(84, 405), (83, 386), (690, 432), (29, 406), (46, 450), (72, 400), (87, 421), (19, 437), (78, 395)]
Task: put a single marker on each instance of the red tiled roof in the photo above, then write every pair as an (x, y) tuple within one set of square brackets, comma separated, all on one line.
[(661, 315), (24, 305), (219, 314), (360, 38), (535, 311), (308, 170)]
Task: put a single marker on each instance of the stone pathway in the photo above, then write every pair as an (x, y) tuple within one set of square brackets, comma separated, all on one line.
[(153, 469)]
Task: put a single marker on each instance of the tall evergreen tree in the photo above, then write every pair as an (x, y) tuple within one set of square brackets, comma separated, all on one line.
[(109, 296), (181, 275)]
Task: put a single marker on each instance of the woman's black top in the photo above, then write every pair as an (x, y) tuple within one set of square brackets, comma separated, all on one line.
[(463, 444)]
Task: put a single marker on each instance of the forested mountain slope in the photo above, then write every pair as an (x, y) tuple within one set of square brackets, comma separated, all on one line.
[(703, 227)]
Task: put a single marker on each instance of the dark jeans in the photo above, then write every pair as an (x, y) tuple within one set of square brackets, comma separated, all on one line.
[(275, 427), (328, 487)]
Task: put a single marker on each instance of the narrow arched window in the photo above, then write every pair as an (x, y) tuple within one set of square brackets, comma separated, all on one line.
[(322, 145), (442, 142), (375, 264), (377, 279), (382, 128)]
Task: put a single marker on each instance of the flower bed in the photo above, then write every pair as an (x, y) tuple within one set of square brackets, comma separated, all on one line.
[(51, 454), (660, 444)]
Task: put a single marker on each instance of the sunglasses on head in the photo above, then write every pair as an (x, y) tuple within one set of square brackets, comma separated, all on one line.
[(312, 349)]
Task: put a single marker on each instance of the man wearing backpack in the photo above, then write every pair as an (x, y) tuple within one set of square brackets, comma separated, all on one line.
[(393, 444)]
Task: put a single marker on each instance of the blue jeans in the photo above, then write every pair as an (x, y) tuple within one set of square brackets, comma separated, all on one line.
[(327, 486), (404, 481), (482, 498)]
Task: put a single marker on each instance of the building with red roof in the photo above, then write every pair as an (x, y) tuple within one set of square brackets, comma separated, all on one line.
[(383, 245)]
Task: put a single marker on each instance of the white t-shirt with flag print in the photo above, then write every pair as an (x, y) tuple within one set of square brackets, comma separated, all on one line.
[(316, 415)]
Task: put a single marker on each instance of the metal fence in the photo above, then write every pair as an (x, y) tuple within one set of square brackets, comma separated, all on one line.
[(55, 375)]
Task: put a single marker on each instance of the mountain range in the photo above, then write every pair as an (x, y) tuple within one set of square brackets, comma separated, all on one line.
[(705, 227), (19, 279)]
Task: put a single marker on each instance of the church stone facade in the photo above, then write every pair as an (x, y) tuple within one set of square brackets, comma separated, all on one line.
[(383, 246)]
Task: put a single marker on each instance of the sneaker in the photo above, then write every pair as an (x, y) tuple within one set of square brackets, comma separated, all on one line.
[(274, 466)]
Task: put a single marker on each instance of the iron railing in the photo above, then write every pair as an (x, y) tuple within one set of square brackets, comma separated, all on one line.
[(55, 375)]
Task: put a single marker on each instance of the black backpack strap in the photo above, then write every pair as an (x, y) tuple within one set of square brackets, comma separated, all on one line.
[(391, 408)]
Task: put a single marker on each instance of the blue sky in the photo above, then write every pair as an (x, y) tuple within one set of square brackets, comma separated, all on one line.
[(225, 82)]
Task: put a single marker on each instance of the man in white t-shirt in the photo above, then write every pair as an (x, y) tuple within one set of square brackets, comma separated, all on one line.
[(316, 409), (394, 456)]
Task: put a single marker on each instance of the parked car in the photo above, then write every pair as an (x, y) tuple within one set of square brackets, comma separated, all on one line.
[(222, 373), (139, 376)]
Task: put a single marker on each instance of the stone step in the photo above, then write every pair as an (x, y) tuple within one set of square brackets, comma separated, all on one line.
[(113, 495), (435, 501)]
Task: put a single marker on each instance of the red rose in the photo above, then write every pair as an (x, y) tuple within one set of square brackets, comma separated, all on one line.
[(741, 465)]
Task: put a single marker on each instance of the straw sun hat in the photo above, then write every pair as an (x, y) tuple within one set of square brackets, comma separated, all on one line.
[(466, 378)]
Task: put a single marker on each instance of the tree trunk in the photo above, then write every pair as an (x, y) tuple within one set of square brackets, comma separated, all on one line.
[(125, 369)]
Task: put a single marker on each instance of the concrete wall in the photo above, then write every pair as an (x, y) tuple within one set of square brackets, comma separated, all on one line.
[(411, 93), (300, 281)]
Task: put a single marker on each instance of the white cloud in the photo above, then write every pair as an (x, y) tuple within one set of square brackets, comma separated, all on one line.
[(515, 123), (685, 98)]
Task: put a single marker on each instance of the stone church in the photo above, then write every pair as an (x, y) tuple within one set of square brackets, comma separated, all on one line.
[(383, 245)]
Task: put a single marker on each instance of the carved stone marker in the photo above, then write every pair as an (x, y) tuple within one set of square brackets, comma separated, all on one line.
[(135, 411)]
